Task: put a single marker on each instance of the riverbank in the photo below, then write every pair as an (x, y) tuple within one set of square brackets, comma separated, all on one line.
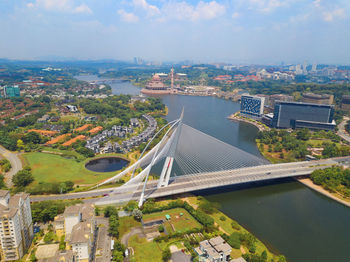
[(308, 182), (237, 117)]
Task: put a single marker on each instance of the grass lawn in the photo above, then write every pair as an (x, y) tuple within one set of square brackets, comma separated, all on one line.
[(55, 168), (126, 223), (145, 251), (180, 223)]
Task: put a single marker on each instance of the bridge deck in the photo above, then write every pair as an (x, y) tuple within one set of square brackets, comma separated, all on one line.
[(188, 183)]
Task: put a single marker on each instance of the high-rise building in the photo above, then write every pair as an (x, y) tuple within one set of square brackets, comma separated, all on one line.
[(172, 78), (298, 70), (305, 67), (252, 105), (11, 91), (314, 68), (303, 115), (16, 227)]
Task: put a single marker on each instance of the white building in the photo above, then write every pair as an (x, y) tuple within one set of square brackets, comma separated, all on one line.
[(16, 227), (78, 225), (82, 240), (214, 250)]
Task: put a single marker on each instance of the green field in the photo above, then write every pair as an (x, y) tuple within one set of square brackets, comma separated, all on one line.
[(145, 251), (180, 223), (55, 168)]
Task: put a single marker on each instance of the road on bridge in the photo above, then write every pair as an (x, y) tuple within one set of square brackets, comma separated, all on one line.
[(188, 183)]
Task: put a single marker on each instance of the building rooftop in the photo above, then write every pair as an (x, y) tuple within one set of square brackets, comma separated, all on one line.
[(3, 193), (81, 233), (216, 241)]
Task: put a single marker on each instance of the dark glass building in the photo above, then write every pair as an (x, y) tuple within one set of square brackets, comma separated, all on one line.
[(303, 115)]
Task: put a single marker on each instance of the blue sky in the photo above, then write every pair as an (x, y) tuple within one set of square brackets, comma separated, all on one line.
[(237, 31)]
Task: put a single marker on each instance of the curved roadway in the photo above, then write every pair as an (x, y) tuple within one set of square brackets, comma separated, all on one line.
[(16, 164)]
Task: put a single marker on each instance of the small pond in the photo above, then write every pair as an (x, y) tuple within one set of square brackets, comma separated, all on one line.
[(107, 164)]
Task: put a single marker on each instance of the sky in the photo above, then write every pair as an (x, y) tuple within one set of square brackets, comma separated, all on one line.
[(232, 31)]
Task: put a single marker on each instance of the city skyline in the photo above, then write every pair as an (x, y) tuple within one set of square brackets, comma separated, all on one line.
[(248, 32)]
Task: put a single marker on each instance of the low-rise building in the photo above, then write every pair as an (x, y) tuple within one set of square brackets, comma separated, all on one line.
[(78, 225), (322, 99), (214, 250)]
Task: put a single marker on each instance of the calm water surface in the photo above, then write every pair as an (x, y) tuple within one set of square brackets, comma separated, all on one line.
[(107, 164), (292, 219), (118, 86)]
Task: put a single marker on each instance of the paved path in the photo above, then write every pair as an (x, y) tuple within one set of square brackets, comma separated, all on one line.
[(341, 129), (133, 231), (16, 164)]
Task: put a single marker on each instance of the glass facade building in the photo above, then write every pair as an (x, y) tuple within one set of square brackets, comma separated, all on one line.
[(300, 115), (252, 105), (12, 91)]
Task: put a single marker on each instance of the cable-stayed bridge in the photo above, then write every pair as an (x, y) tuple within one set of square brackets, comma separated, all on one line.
[(191, 160)]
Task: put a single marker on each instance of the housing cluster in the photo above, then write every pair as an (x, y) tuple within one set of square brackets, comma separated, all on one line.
[(94, 143)]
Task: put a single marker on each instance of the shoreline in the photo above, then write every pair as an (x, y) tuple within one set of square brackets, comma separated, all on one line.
[(237, 117), (308, 182)]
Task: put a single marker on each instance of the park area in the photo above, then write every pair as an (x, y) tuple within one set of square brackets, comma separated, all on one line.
[(49, 167), (179, 220)]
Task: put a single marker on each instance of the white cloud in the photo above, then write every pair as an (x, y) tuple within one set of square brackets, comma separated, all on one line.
[(61, 6), (317, 3), (235, 15), (82, 9), (150, 9), (127, 17), (185, 11), (266, 6), (330, 16)]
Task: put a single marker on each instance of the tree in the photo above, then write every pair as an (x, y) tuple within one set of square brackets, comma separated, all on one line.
[(2, 181), (161, 228), (23, 177), (117, 256), (130, 206), (282, 258), (234, 240), (166, 254), (20, 144), (62, 245), (303, 134), (110, 211), (32, 137), (137, 214), (208, 207), (235, 225)]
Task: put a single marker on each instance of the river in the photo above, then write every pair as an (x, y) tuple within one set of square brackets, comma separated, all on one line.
[(290, 218)]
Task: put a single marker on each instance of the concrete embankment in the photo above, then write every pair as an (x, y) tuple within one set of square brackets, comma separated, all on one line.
[(237, 117)]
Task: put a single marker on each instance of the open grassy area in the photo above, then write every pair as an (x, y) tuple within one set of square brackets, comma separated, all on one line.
[(126, 223), (145, 251), (55, 168), (179, 223)]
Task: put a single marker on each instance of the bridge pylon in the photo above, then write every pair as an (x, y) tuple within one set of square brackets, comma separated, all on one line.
[(169, 161)]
